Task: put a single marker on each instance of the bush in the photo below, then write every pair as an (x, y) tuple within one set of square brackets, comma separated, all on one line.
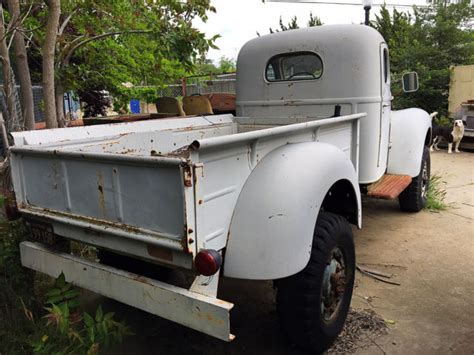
[(16, 295), (56, 327), (436, 194), (69, 331)]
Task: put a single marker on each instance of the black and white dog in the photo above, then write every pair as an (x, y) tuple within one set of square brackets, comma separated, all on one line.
[(452, 134)]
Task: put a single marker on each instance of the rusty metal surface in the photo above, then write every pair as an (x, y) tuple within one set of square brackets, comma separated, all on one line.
[(228, 161), (206, 314), (113, 190), (389, 187), (115, 183), (181, 195), (222, 102), (65, 136), (121, 230)]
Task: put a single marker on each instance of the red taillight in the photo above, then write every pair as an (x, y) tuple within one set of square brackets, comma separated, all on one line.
[(207, 262)]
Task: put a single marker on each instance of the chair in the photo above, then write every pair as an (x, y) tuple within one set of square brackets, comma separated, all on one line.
[(197, 105), (169, 105)]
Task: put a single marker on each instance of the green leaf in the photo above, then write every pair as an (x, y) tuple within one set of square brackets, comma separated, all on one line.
[(66, 288), (53, 292), (55, 299), (61, 280), (71, 294), (99, 314), (88, 320), (108, 316), (74, 303)]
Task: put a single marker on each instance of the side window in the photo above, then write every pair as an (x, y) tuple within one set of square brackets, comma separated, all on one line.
[(386, 65), (294, 66)]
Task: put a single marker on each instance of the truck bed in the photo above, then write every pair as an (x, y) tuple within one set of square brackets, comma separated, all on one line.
[(159, 189)]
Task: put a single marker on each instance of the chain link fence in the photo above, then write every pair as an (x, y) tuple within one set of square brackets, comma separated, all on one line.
[(201, 85)]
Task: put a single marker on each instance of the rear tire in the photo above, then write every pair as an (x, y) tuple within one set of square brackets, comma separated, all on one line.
[(313, 304), (413, 198)]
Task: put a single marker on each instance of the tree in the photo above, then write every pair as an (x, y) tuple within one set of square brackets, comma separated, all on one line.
[(21, 61), (101, 44), (293, 24), (429, 42), (8, 83), (48, 52), (227, 65)]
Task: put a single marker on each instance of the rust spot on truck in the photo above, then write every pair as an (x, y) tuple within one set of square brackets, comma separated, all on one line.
[(98, 222), (182, 152), (100, 188), (209, 317), (187, 176), (160, 253)]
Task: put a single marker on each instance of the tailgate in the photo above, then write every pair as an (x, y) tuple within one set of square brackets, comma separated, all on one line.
[(117, 194)]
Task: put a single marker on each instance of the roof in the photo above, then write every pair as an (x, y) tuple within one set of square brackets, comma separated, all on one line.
[(350, 56)]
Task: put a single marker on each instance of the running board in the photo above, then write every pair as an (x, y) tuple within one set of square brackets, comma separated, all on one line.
[(202, 313), (389, 186)]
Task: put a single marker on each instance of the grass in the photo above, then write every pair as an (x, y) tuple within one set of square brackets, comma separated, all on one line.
[(436, 194), (16, 292)]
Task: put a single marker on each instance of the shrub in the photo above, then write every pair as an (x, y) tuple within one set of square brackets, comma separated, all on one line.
[(436, 194), (69, 331)]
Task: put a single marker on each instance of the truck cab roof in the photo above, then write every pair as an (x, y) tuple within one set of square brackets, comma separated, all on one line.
[(323, 62)]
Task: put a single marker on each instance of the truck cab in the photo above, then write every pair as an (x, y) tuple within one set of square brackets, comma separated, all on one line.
[(313, 73)]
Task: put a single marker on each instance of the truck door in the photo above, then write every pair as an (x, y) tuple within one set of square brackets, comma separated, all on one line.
[(386, 96)]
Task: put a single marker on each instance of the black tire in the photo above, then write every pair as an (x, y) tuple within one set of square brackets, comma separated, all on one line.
[(308, 324), (413, 198)]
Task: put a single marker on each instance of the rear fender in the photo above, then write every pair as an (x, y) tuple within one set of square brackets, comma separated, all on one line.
[(409, 133), (272, 227)]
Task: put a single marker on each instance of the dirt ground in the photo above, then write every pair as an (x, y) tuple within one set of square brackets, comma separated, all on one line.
[(430, 254)]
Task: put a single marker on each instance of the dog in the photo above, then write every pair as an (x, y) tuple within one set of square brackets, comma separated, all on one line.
[(452, 135)]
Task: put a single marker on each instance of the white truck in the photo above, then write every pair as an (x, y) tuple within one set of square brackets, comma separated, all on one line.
[(267, 195)]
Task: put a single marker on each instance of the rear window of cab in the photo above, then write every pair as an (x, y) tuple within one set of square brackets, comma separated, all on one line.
[(294, 66)]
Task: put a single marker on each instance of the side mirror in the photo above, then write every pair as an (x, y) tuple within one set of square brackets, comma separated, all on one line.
[(410, 82)]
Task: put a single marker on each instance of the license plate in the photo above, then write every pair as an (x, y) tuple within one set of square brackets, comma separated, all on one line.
[(42, 232)]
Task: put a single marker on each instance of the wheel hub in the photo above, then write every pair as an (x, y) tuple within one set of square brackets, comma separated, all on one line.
[(334, 284), (424, 180)]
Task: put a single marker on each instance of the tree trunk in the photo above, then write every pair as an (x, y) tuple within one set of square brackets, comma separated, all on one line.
[(7, 73), (26, 90), (48, 63), (60, 105)]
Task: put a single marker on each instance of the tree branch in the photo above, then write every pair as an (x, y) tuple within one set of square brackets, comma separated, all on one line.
[(69, 54), (66, 21)]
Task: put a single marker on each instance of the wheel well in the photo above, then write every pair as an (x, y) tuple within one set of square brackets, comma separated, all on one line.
[(342, 200), (428, 138)]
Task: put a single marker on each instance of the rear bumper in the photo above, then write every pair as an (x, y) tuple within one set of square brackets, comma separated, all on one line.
[(205, 314)]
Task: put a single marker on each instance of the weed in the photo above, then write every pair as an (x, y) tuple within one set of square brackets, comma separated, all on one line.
[(58, 326), (16, 296), (443, 121), (69, 331), (436, 194)]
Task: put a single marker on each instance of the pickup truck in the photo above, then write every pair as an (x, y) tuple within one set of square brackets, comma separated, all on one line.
[(267, 195)]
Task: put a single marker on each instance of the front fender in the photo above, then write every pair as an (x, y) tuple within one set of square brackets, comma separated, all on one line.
[(272, 227), (408, 132)]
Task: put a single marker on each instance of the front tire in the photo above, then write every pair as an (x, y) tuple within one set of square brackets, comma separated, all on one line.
[(313, 304), (413, 198)]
